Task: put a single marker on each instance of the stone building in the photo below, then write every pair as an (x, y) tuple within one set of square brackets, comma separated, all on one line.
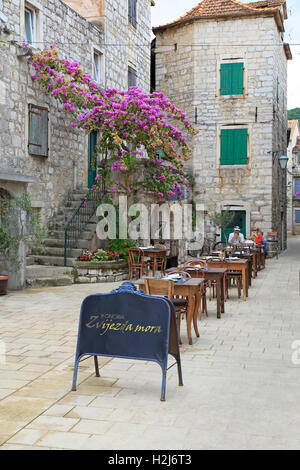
[(106, 38), (293, 168), (225, 63), (294, 175)]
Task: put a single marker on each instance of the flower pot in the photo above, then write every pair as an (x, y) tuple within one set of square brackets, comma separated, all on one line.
[(3, 284)]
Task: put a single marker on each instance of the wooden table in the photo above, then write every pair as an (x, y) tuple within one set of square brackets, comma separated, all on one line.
[(191, 290), (212, 274), (234, 265), (154, 253)]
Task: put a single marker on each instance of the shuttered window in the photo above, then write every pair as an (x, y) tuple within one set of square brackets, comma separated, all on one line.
[(132, 12), (234, 146), (132, 77), (38, 131), (232, 79), (297, 216)]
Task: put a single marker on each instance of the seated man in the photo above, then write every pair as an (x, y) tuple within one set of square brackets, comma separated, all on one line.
[(236, 237)]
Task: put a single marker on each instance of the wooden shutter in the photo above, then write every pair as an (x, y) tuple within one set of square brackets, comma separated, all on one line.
[(225, 86), (237, 79), (240, 147), (232, 79), (234, 147), (38, 131), (132, 12), (227, 147), (132, 77)]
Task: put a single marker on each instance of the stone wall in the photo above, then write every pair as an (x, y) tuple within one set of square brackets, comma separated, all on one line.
[(106, 271), (189, 75), (67, 163)]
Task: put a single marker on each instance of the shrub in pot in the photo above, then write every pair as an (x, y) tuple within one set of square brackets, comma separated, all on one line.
[(19, 225)]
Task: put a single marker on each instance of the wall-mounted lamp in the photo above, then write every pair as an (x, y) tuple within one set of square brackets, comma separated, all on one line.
[(283, 161)]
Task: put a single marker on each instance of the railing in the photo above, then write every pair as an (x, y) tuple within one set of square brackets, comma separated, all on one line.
[(81, 217)]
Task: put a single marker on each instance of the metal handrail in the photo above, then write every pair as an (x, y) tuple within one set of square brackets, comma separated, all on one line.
[(80, 219)]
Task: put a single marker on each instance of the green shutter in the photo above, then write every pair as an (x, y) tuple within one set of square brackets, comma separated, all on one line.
[(241, 147), (225, 86), (227, 147), (232, 79), (237, 79), (234, 147)]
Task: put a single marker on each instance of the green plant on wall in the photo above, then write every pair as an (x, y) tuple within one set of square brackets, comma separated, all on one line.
[(19, 224)]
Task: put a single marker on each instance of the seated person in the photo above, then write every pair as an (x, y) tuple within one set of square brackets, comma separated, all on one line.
[(264, 243), (256, 236), (236, 237)]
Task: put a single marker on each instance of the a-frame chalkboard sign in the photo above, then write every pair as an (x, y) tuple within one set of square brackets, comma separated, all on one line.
[(130, 324)]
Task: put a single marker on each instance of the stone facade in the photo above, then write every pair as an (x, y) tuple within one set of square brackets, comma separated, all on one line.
[(188, 61), (50, 180), (293, 171)]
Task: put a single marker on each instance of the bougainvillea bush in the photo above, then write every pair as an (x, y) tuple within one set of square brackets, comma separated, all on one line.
[(136, 130)]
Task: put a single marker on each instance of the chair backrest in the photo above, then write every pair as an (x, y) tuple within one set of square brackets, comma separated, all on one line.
[(135, 256), (159, 287), (272, 235), (191, 271)]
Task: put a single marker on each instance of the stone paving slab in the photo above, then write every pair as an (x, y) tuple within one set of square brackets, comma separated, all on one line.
[(240, 391)]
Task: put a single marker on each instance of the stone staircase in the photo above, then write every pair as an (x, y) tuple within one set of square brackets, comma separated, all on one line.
[(47, 269)]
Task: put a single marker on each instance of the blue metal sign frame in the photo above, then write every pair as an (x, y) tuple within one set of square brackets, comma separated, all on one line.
[(169, 343)]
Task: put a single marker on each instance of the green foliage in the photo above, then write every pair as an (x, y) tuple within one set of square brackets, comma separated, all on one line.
[(19, 224), (120, 245), (294, 114), (100, 255)]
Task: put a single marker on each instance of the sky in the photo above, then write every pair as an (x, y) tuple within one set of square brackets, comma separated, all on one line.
[(165, 11)]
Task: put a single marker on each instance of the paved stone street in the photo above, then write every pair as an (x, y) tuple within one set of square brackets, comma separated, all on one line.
[(241, 388)]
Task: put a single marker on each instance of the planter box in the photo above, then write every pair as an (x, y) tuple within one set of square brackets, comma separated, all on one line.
[(87, 272)]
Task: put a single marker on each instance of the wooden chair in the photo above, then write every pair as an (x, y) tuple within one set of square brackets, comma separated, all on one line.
[(136, 262), (164, 288), (194, 271), (160, 260)]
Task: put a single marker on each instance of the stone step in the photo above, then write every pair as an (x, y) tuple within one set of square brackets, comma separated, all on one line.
[(60, 234), (52, 260), (50, 281), (36, 271), (59, 251), (60, 242)]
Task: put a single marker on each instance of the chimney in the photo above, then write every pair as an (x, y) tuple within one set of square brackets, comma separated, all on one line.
[(91, 10)]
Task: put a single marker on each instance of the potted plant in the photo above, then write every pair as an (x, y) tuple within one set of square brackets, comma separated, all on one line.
[(20, 225)]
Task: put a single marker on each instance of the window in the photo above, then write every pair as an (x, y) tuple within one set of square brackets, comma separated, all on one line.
[(30, 25), (232, 79), (132, 12), (97, 62), (38, 131), (298, 158), (277, 89), (234, 146), (297, 216), (297, 189), (132, 76)]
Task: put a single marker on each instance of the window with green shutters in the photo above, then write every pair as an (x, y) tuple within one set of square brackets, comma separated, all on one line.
[(232, 79), (234, 146)]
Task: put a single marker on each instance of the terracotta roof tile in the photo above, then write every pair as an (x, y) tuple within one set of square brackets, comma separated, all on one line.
[(225, 8)]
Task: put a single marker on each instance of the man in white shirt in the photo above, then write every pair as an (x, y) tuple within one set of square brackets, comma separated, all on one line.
[(236, 238)]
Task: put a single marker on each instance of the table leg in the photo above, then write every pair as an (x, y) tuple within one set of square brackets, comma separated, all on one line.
[(196, 309), (244, 283), (218, 288), (222, 287), (190, 316)]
